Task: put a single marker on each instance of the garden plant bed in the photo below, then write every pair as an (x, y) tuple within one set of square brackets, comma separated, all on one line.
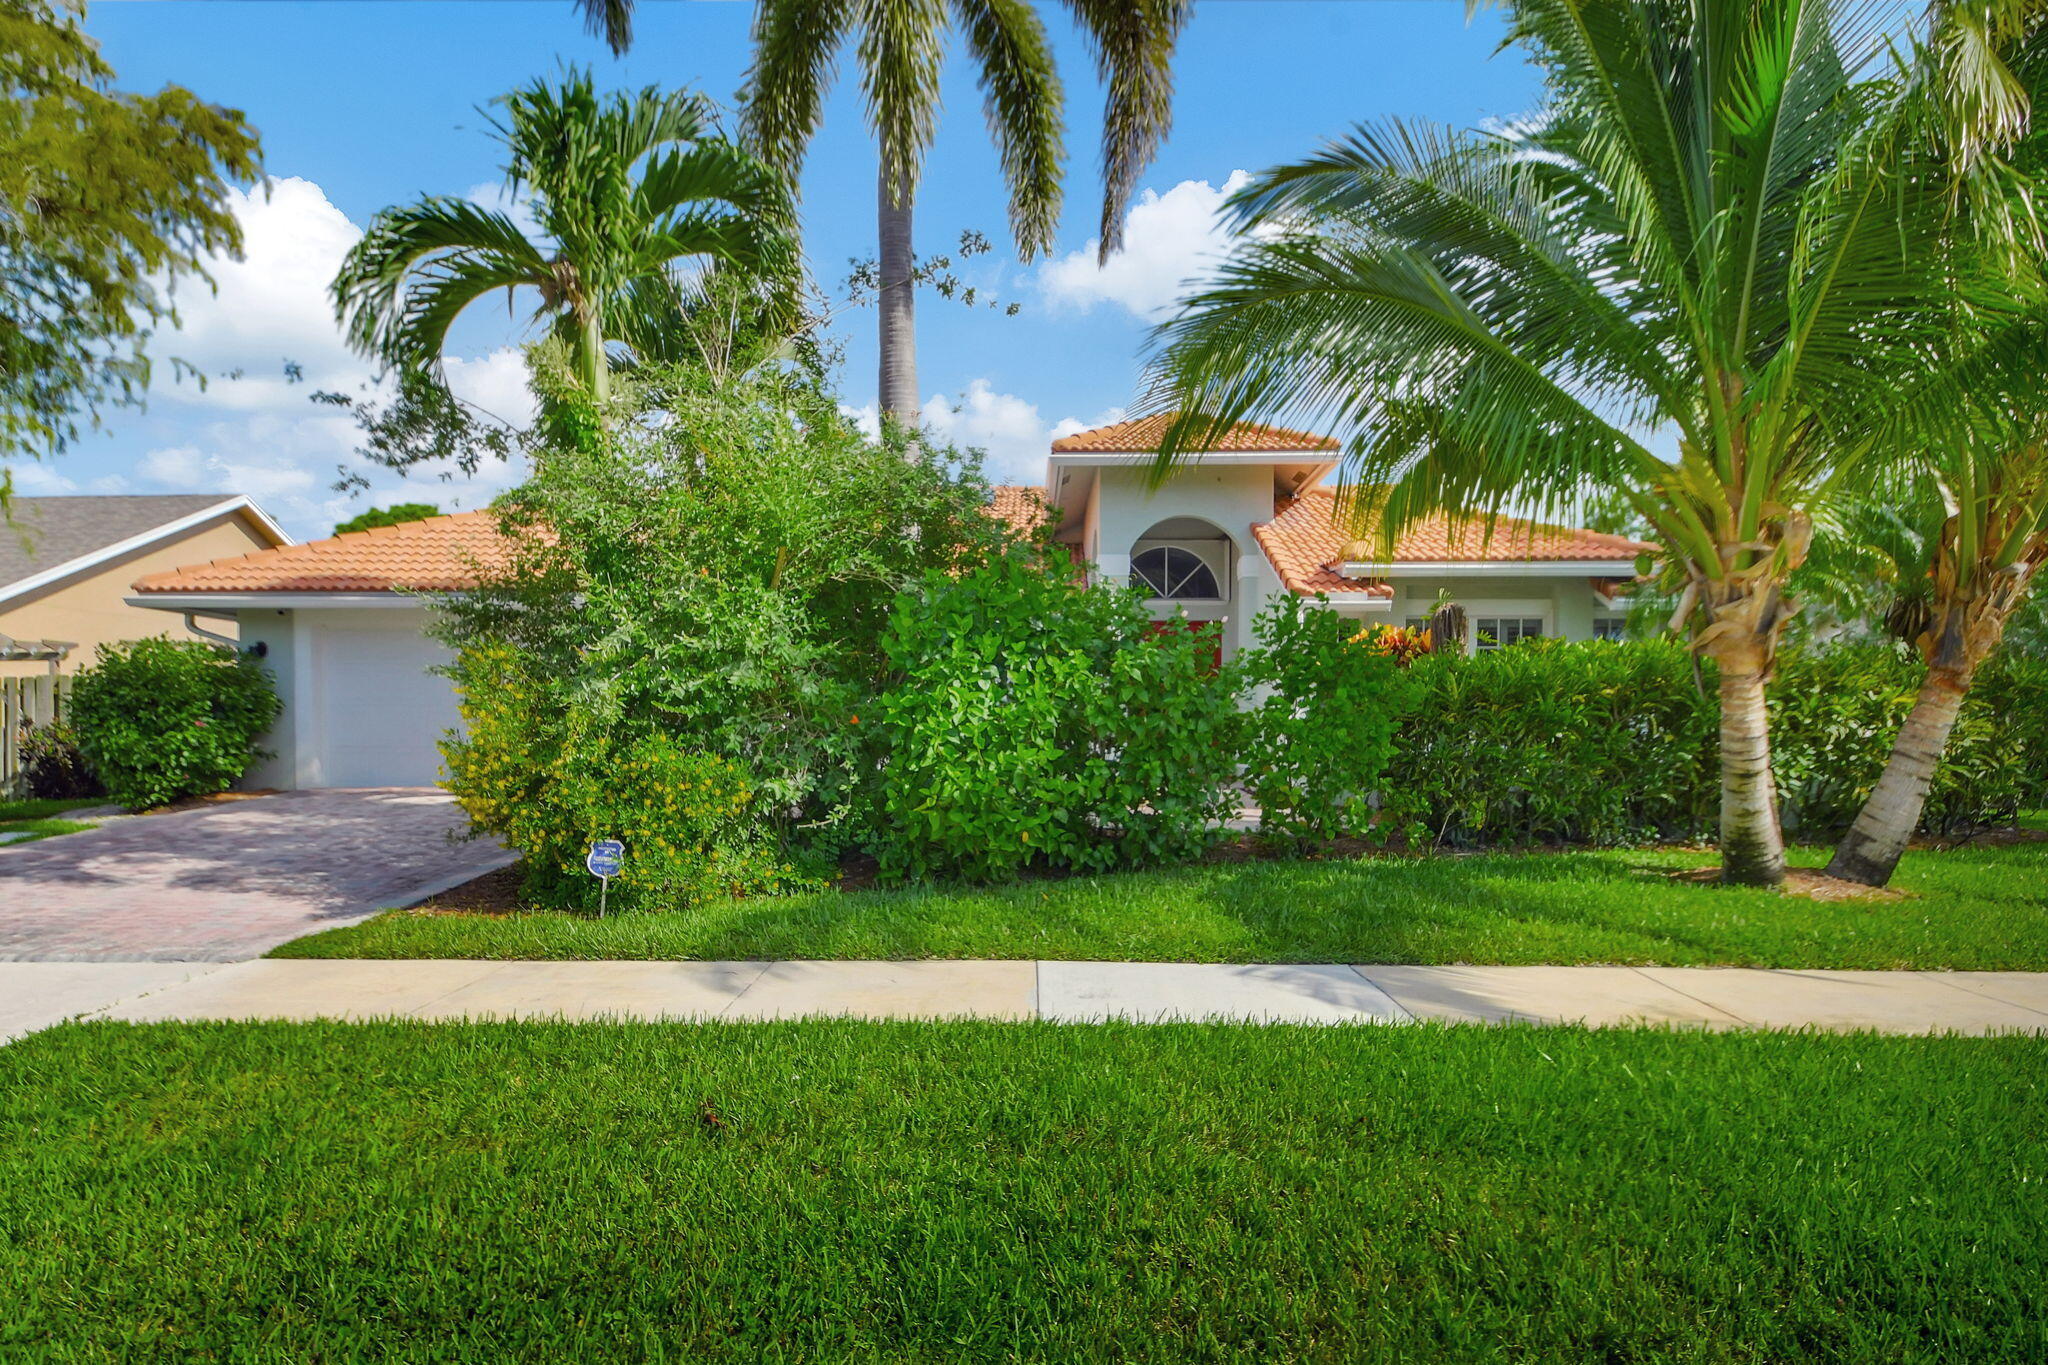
[(845, 1191), (1974, 908)]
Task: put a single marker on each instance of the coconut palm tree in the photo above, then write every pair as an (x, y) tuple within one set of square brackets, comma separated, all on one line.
[(1987, 543), (1977, 428), (622, 188), (900, 46), (1683, 279)]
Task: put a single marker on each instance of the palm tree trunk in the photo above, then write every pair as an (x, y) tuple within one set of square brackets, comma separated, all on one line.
[(596, 372), (898, 301), (1870, 850), (1752, 849)]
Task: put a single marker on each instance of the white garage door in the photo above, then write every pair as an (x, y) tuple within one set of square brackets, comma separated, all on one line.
[(381, 711)]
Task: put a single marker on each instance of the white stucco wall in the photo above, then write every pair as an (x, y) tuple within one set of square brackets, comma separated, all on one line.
[(1230, 497)]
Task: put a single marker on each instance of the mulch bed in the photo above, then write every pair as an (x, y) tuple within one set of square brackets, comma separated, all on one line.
[(1804, 881)]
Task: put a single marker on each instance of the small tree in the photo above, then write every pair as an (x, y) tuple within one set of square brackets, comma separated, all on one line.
[(162, 719), (395, 515)]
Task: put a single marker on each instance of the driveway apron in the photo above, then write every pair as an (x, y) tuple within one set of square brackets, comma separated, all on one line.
[(231, 881)]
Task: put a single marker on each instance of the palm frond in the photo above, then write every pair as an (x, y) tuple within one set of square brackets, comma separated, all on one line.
[(1133, 42), (902, 48), (796, 44), (611, 20), (1022, 101)]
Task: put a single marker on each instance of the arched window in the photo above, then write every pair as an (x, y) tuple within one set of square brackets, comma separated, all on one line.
[(1169, 572)]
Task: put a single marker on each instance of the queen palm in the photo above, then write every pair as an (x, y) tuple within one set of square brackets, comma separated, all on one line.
[(1683, 280), (623, 189), (900, 46)]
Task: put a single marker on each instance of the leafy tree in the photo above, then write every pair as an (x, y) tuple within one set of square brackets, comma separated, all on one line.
[(395, 515), (1725, 223), (107, 199), (622, 189), (721, 577), (900, 46)]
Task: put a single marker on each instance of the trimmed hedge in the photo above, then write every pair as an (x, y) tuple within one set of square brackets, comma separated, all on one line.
[(1602, 743)]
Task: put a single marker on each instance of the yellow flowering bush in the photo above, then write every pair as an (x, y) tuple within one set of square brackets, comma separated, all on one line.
[(551, 783)]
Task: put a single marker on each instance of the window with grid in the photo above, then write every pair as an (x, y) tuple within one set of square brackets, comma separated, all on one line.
[(1498, 632), (1173, 574), (1610, 627)]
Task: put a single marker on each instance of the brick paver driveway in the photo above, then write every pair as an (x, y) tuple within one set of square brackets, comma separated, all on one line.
[(231, 881)]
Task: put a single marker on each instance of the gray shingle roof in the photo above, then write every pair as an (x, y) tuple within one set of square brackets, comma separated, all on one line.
[(58, 530)]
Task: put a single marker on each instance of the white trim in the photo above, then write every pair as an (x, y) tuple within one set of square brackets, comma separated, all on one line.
[(21, 587), (1491, 568), (1359, 602), (225, 602)]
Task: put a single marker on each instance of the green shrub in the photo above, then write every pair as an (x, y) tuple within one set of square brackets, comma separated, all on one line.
[(551, 781), (1611, 743), (52, 768), (1320, 730), (1030, 720), (1551, 742), (162, 719), (722, 577), (1836, 712)]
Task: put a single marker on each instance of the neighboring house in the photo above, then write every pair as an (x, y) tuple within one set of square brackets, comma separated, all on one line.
[(1245, 523), (66, 564)]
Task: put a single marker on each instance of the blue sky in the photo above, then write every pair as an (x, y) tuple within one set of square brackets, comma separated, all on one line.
[(365, 104)]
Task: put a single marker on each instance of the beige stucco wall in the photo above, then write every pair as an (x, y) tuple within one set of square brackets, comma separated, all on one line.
[(88, 610)]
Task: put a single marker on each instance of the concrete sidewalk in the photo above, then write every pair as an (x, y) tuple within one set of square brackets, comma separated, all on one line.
[(34, 994)]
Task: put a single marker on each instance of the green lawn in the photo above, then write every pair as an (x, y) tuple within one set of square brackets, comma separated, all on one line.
[(39, 808), (958, 1192), (37, 829), (1975, 908)]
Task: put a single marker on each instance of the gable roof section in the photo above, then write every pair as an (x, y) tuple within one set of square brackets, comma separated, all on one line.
[(439, 554), (1306, 545), (1143, 434), (55, 538)]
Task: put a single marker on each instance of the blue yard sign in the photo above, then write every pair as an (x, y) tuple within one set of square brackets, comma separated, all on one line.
[(607, 856), (604, 860)]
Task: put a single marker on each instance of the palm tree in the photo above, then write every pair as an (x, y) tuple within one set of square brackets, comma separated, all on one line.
[(623, 189), (900, 46), (1988, 543), (1718, 229)]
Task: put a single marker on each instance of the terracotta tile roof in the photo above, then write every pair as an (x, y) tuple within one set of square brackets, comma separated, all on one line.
[(438, 554), (1306, 544), (1020, 504), (1144, 434)]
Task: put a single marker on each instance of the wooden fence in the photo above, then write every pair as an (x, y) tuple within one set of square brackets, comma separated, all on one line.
[(34, 700)]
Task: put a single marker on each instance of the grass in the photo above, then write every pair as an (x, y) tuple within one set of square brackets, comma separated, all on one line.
[(1973, 908), (34, 818), (37, 829), (43, 809), (938, 1192)]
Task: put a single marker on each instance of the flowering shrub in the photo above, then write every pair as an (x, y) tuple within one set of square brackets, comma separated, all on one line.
[(1030, 720), (162, 719), (551, 782), (1321, 729), (1399, 643)]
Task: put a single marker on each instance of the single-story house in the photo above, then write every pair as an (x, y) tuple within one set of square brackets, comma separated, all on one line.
[(66, 564), (1242, 524)]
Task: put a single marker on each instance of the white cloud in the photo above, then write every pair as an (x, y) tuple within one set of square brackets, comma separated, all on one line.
[(252, 430), (1169, 239), (1007, 427)]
